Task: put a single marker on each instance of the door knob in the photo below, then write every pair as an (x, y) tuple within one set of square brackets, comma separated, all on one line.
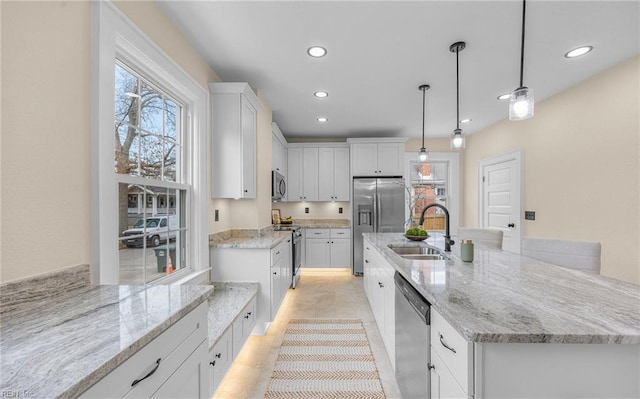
[(511, 225)]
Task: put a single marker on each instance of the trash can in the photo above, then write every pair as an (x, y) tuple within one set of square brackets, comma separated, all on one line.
[(161, 257)]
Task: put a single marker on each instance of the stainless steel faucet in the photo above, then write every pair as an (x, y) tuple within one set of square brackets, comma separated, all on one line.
[(448, 242)]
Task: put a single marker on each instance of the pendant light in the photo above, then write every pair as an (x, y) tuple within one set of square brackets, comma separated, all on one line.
[(457, 139), (521, 102), (423, 155)]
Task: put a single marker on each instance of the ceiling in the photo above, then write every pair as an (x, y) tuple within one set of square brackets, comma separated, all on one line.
[(380, 52)]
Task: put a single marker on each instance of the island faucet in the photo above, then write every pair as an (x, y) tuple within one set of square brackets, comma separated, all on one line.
[(448, 242)]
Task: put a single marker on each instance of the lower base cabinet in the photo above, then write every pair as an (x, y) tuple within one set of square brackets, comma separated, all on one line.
[(226, 349), (177, 357), (328, 248)]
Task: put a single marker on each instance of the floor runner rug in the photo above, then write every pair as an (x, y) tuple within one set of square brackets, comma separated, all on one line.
[(325, 358)]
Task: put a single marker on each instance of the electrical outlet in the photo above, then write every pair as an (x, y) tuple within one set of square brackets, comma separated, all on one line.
[(216, 216), (306, 209), (340, 210), (530, 215)]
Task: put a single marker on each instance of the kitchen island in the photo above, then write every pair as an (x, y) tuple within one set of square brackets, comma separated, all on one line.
[(505, 306)]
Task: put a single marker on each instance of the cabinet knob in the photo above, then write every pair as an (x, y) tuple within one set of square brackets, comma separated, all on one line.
[(380, 284), (275, 273), (246, 191), (213, 363), (431, 366), (218, 355)]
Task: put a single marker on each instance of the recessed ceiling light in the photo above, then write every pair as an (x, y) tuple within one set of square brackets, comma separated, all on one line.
[(465, 120), (322, 119), (321, 94), (317, 51), (577, 52), (504, 96)]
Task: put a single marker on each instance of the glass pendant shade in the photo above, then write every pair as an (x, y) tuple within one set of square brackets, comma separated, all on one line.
[(423, 155), (521, 104), (457, 140)]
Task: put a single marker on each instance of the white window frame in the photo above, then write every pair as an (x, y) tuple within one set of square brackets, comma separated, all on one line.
[(453, 158), (115, 36)]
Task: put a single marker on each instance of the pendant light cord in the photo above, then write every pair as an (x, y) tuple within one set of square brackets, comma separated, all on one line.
[(424, 90), (457, 91), (524, 9)]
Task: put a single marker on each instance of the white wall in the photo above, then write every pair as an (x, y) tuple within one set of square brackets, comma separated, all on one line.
[(581, 169), (46, 128)]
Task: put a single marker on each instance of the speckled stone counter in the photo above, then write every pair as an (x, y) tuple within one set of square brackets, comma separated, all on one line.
[(248, 239), (225, 305), (323, 223), (61, 345), (503, 297)]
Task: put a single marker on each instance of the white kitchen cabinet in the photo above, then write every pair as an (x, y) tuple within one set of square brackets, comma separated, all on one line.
[(377, 158), (255, 265), (278, 150), (333, 177), (328, 248), (380, 292), (220, 359), (234, 110), (443, 384), (178, 358), (302, 170)]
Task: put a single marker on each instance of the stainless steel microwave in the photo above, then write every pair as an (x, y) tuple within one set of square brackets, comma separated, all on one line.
[(278, 186)]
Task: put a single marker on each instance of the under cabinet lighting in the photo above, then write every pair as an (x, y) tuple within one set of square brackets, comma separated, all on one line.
[(577, 52)]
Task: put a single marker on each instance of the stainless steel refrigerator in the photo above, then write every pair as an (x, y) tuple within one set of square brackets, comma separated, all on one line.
[(378, 206)]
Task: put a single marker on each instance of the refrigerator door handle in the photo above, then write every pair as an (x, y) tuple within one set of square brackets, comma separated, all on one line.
[(377, 212)]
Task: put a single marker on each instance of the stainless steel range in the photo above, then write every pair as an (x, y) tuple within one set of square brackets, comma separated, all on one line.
[(296, 249)]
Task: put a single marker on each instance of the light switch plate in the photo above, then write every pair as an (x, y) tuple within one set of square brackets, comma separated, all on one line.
[(306, 210), (216, 216), (530, 215), (340, 210)]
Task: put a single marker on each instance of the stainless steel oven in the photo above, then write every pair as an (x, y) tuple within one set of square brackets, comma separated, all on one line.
[(296, 249)]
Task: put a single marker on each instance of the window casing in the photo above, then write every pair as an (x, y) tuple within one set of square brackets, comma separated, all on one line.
[(161, 173)]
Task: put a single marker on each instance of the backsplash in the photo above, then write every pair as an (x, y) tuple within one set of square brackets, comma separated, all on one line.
[(19, 294), (317, 210)]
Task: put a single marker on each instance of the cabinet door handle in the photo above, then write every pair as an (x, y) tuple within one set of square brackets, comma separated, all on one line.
[(275, 273), (278, 253), (213, 363), (246, 191), (288, 240), (511, 225), (218, 355), (431, 366), (445, 344), (380, 284), (149, 374)]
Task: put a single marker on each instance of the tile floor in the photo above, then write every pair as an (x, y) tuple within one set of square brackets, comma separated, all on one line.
[(320, 293)]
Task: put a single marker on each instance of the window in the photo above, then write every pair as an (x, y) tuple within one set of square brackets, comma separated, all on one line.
[(149, 159), (148, 145), (436, 180)]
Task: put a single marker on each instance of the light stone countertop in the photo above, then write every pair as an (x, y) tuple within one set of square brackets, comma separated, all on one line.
[(225, 305), (267, 240), (61, 345), (503, 297), (323, 223)]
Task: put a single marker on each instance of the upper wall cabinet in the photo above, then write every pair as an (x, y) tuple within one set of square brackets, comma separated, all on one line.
[(333, 176), (377, 158), (234, 117), (279, 150), (302, 182)]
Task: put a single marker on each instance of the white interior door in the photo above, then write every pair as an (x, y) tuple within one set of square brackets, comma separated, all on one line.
[(500, 197)]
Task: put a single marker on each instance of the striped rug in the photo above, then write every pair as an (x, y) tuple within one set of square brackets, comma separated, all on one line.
[(325, 358)]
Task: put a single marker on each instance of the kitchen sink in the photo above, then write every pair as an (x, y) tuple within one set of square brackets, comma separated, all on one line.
[(419, 253)]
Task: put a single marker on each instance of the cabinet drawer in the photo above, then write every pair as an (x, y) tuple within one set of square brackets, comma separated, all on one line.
[(453, 349), (278, 252), (318, 233), (172, 347), (340, 233)]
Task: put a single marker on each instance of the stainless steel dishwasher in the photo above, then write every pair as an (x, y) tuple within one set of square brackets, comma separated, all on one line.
[(412, 341)]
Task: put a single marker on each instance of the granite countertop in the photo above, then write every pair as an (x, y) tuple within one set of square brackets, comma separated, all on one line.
[(225, 305), (503, 297), (268, 239), (62, 344), (323, 223)]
